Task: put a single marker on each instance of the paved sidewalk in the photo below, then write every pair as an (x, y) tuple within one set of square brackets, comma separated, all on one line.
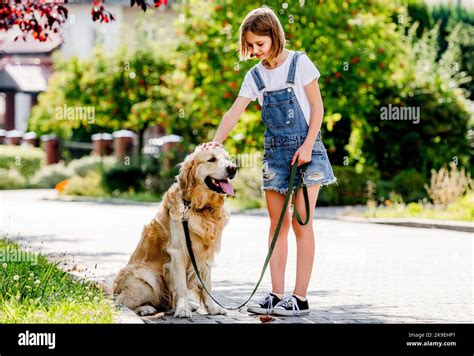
[(363, 273)]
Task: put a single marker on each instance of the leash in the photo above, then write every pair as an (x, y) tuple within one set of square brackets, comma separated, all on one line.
[(274, 240)]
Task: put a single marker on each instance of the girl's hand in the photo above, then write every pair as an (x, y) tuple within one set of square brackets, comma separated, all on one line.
[(211, 145), (303, 154)]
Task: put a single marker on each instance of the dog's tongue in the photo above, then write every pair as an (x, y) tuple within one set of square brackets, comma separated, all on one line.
[(226, 187)]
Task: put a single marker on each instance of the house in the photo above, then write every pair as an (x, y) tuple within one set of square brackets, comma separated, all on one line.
[(25, 67)]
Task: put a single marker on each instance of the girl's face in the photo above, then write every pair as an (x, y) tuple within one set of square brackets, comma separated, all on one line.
[(259, 46)]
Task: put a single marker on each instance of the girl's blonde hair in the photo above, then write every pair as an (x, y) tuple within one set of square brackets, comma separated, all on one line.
[(262, 22)]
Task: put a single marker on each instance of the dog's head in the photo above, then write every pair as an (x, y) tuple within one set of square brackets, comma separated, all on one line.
[(210, 168)]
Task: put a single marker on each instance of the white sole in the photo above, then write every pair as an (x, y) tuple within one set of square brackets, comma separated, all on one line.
[(257, 310), (283, 312)]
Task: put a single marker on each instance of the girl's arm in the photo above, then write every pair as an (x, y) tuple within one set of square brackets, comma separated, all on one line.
[(317, 111), (303, 154), (230, 118)]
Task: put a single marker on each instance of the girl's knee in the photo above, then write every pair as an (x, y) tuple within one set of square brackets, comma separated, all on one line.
[(285, 225), (298, 229)]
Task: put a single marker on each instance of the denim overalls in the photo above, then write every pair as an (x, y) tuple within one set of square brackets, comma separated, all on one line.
[(286, 130)]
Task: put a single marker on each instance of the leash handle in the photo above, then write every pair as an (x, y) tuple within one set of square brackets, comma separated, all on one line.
[(272, 245)]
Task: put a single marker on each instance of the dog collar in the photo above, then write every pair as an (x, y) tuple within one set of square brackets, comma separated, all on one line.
[(186, 207)]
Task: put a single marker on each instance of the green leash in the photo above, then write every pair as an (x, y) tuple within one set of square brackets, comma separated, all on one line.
[(274, 240)]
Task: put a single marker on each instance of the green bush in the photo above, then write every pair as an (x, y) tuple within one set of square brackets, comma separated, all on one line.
[(123, 178), (351, 186), (450, 17), (83, 166), (11, 179), (90, 185), (247, 186), (50, 175), (26, 159), (414, 208), (383, 190), (428, 86), (410, 184)]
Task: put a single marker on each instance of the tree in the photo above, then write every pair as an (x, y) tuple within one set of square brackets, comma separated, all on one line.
[(123, 90), (41, 18)]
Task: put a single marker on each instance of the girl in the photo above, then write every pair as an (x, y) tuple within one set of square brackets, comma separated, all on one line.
[(286, 85)]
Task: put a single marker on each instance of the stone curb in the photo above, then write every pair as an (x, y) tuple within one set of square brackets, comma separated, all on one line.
[(128, 316), (462, 226), (423, 223)]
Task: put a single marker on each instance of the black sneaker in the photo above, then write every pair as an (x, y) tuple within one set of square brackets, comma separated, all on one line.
[(291, 306), (264, 305)]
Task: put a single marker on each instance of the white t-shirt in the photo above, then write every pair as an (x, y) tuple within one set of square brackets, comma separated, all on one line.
[(275, 79)]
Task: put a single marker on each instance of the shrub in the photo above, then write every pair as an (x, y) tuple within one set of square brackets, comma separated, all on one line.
[(383, 189), (90, 185), (87, 164), (123, 178), (464, 207), (447, 186), (351, 186), (11, 179), (26, 159), (50, 175), (410, 184), (247, 187), (157, 177), (429, 87), (414, 208)]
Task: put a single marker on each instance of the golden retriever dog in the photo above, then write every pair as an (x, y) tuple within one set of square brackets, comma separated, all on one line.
[(159, 274)]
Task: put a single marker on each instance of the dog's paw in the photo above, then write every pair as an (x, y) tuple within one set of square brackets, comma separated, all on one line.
[(182, 309), (145, 310), (194, 305), (214, 309)]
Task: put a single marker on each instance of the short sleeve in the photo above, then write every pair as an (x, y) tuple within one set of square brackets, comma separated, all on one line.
[(248, 88), (308, 70)]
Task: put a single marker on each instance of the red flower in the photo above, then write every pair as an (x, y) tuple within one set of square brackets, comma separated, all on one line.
[(355, 60), (338, 75)]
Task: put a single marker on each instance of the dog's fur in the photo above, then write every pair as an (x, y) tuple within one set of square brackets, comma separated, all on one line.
[(159, 274)]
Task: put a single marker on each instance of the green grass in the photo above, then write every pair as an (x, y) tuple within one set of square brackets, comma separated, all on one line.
[(461, 210), (33, 290)]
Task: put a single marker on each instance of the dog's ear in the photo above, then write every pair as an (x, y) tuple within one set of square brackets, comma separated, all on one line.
[(186, 173)]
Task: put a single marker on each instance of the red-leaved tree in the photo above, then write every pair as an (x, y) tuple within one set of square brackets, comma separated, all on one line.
[(41, 17)]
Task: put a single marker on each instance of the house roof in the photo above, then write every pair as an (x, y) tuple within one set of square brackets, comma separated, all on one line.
[(24, 78)]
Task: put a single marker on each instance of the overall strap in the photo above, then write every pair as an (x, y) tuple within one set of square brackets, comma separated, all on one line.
[(292, 71), (258, 79)]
